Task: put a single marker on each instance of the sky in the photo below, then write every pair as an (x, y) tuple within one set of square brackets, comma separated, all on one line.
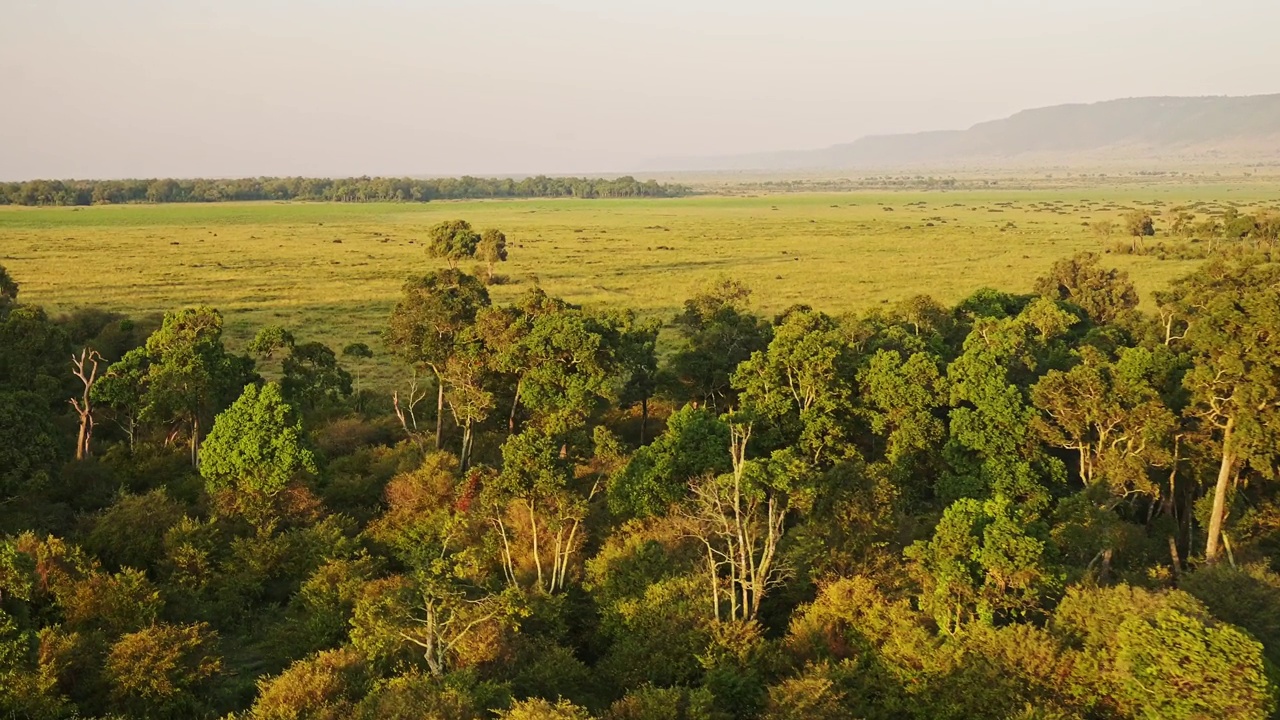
[(231, 88)]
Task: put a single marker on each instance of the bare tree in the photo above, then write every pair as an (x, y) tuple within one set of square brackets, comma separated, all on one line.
[(740, 522), (406, 411), (85, 368)]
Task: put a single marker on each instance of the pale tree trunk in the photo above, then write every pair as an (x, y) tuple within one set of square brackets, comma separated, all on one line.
[(1220, 495), (439, 411), (195, 441), (86, 369), (466, 447), (644, 417), (533, 527), (515, 402)]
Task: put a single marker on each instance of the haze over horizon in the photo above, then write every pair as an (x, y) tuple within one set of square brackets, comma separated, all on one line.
[(143, 88)]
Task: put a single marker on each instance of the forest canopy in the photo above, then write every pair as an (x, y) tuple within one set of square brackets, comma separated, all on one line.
[(1052, 505)]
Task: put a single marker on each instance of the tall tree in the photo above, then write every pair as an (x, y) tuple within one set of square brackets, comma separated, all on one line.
[(85, 368), (1232, 316), (801, 386), (1113, 415), (425, 325), (182, 377), (717, 332), (491, 250)]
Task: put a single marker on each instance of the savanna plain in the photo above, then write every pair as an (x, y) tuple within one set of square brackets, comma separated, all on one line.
[(333, 271)]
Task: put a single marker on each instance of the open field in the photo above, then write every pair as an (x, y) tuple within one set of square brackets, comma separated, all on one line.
[(332, 271)]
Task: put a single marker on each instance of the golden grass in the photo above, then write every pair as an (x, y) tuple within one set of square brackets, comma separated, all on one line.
[(332, 272)]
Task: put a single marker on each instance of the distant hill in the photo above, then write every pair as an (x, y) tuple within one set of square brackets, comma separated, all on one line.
[(1200, 129)]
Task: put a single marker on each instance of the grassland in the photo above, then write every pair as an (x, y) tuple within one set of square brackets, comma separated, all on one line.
[(332, 271)]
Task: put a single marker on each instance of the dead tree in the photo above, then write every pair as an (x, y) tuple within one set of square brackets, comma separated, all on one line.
[(740, 522), (85, 368)]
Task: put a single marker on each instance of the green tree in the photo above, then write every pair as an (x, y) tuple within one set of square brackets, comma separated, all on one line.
[(695, 442), (491, 250), (904, 401), (992, 447), (1112, 415), (717, 332), (8, 292), (425, 325), (984, 562), (1137, 225), (1162, 655), (1105, 295), (801, 386), (1232, 316), (454, 241), (356, 353), (29, 445), (256, 446), (181, 378), (311, 374)]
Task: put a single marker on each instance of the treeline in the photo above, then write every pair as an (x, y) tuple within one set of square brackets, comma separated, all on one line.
[(1052, 505), (360, 189), (1197, 233)]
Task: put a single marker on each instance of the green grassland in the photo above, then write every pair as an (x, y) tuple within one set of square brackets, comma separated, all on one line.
[(332, 271)]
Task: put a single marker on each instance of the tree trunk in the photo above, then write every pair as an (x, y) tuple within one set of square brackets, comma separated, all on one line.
[(537, 560), (82, 439), (195, 441), (1220, 495), (644, 417), (439, 411), (515, 402)]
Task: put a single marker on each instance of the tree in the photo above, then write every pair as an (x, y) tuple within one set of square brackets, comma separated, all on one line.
[(717, 332), (1112, 415), (85, 368), (1102, 229), (992, 447), (454, 241), (256, 445), (28, 442), (695, 443), (1232, 317), (539, 709), (1105, 295), (801, 386), (491, 250), (535, 506), (1161, 654), (466, 375), (123, 389), (8, 292), (182, 377), (740, 519), (1137, 225), (983, 562), (311, 373), (425, 325), (356, 352), (904, 401), (432, 618), (164, 670), (637, 356)]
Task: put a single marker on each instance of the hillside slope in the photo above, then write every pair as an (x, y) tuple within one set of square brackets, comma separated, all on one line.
[(1206, 129)]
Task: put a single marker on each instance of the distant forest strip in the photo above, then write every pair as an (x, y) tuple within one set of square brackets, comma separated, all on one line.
[(361, 189)]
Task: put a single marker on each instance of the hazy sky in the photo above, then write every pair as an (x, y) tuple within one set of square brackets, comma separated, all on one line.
[(127, 88)]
